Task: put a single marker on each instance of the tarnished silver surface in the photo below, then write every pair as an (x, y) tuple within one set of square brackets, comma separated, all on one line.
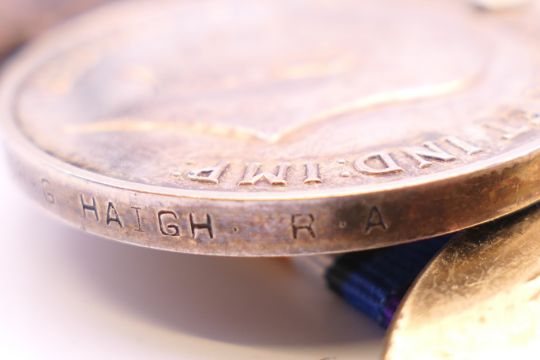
[(279, 127)]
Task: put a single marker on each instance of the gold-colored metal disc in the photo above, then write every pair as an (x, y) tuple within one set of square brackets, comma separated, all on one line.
[(279, 127), (479, 298)]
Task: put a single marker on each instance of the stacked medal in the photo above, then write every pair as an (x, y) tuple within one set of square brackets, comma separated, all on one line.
[(363, 140)]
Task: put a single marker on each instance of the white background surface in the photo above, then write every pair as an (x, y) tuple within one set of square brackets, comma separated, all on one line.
[(70, 295)]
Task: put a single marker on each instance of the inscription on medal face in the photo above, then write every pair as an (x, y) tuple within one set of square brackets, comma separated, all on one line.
[(401, 160)]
